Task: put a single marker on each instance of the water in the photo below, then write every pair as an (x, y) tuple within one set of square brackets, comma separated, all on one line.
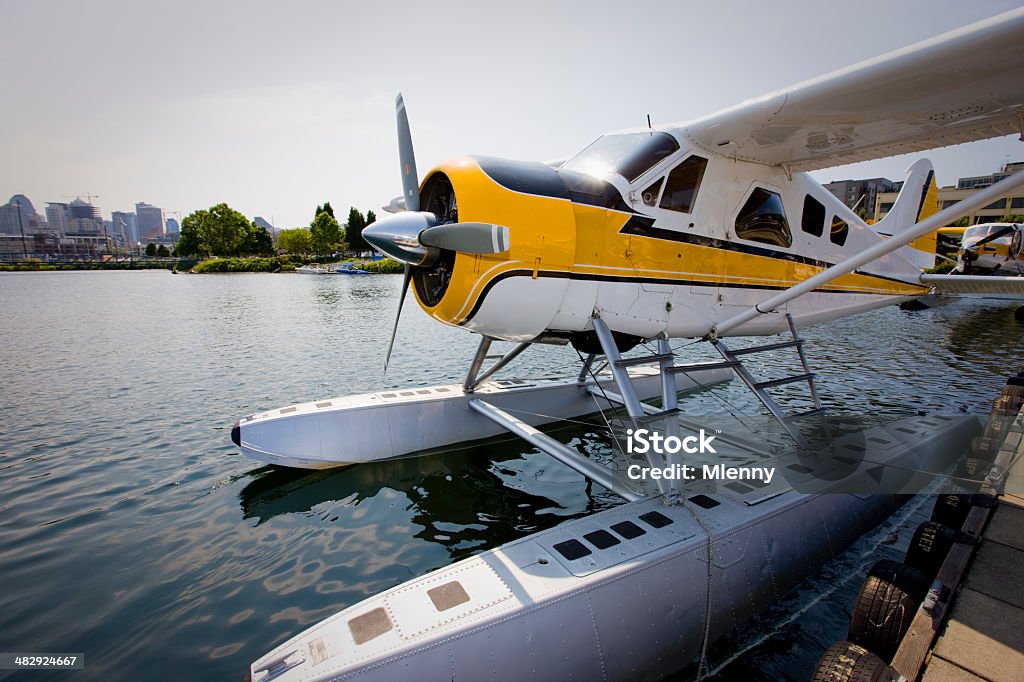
[(131, 528)]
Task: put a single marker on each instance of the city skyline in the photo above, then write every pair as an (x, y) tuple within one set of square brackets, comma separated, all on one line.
[(274, 111)]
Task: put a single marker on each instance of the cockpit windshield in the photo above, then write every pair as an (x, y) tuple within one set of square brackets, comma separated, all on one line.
[(628, 154), (988, 230)]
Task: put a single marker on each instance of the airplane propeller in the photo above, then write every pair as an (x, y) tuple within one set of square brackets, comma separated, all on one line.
[(415, 237)]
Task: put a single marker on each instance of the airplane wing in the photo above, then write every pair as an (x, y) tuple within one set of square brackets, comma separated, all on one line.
[(1012, 287), (958, 87)]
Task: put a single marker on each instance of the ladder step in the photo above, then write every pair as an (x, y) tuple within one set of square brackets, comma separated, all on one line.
[(809, 413), (647, 419), (784, 380), (697, 366), (643, 360), (767, 347)]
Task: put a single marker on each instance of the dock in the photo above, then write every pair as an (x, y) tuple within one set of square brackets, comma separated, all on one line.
[(984, 637), (953, 610)]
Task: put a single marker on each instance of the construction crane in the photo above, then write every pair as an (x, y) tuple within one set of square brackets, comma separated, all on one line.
[(89, 197)]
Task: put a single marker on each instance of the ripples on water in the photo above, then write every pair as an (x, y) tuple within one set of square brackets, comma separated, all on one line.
[(132, 529)]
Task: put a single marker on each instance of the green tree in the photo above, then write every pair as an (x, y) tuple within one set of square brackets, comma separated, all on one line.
[(150, 249), (189, 243), (325, 234), (354, 230), (258, 242), (218, 231), (295, 241), (162, 251), (326, 208)]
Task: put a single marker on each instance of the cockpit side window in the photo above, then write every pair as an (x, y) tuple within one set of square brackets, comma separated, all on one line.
[(683, 183), (763, 219), (650, 195), (628, 154), (813, 219)]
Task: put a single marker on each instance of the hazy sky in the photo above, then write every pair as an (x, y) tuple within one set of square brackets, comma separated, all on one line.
[(275, 107)]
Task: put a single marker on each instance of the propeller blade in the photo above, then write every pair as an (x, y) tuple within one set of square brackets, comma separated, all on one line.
[(406, 278), (410, 180), (479, 238)]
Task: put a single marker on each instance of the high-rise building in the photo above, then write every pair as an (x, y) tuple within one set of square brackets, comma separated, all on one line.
[(861, 194), (57, 217), (126, 226), (172, 227), (19, 207), (150, 220), (82, 218)]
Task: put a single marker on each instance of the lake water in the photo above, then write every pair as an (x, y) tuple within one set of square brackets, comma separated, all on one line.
[(132, 529)]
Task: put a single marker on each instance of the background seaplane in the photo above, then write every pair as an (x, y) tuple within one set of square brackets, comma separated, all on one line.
[(707, 229), (992, 249)]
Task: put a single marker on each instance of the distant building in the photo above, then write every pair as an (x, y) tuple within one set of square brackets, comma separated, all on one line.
[(126, 227), (19, 207), (965, 187), (57, 217), (262, 222), (861, 194), (151, 221), (82, 219), (172, 227)]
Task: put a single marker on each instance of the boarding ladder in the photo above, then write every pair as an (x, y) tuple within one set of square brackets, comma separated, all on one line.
[(760, 387), (641, 414)]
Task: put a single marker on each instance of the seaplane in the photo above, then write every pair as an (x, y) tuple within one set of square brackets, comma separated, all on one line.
[(991, 248), (708, 230)]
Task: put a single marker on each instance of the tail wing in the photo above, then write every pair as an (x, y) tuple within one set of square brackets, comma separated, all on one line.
[(918, 200)]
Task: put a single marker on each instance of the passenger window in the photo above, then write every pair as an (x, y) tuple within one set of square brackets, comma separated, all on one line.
[(840, 231), (763, 219), (813, 219), (683, 183), (650, 195)]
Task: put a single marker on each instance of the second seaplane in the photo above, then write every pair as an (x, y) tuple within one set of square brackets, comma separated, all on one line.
[(706, 229)]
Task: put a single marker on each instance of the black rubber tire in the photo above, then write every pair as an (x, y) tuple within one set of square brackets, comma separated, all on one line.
[(847, 662), (951, 509), (930, 545), (886, 606)]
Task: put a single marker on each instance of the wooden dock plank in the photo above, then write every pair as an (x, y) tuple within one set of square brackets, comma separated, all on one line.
[(984, 636)]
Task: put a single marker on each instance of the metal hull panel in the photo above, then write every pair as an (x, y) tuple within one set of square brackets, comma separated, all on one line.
[(390, 424), (634, 610)]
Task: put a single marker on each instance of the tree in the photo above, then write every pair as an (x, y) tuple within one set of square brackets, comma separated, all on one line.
[(354, 230), (150, 249), (325, 234), (258, 242), (295, 241), (218, 231), (326, 208), (162, 251)]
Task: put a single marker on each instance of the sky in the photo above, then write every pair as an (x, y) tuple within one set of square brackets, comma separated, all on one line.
[(276, 107)]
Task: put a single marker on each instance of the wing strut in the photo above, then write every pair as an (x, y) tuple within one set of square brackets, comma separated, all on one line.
[(982, 198)]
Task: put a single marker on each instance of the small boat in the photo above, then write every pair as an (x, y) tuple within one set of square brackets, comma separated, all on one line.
[(315, 269), (349, 269)]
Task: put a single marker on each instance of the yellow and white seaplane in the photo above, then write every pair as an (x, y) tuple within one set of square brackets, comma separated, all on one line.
[(993, 249), (706, 229)]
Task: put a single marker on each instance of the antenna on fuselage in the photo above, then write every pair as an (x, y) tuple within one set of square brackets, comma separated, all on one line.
[(649, 126)]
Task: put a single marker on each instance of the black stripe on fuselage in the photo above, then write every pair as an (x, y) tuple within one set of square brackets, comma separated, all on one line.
[(642, 226), (631, 279)]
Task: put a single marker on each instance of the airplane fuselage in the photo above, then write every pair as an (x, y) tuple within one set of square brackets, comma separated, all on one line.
[(686, 243)]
